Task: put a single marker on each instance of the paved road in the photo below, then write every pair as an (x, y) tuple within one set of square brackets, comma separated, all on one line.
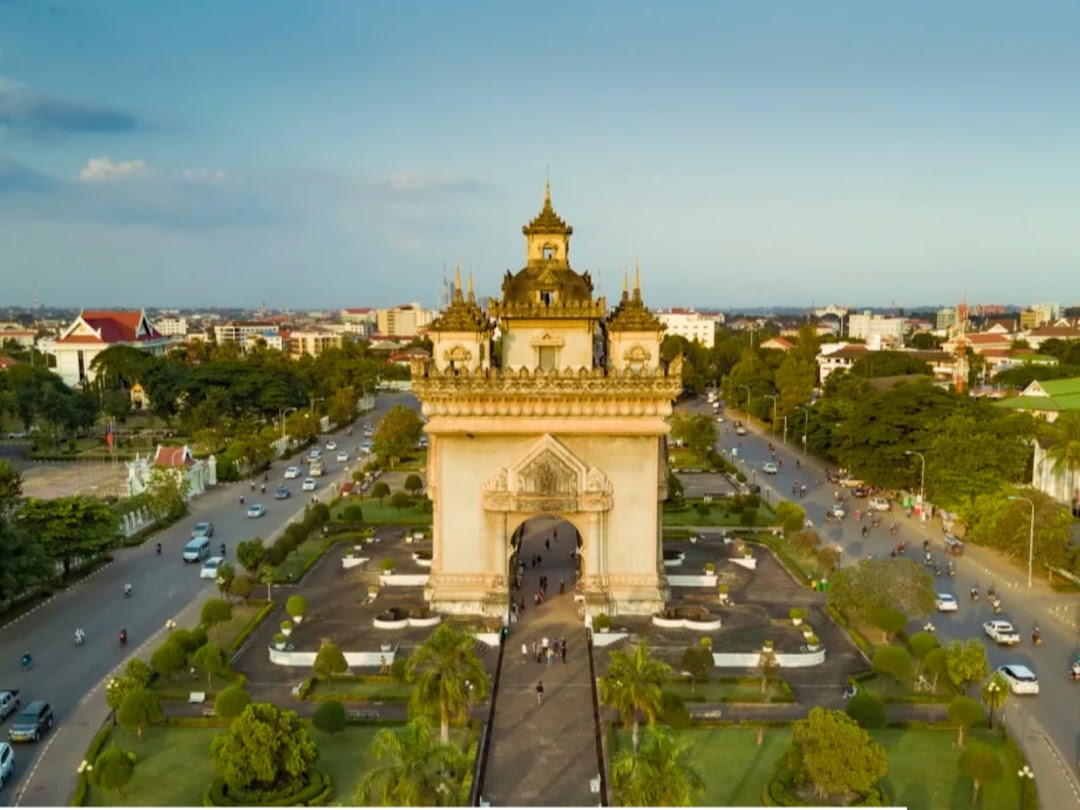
[(1057, 708), (163, 586)]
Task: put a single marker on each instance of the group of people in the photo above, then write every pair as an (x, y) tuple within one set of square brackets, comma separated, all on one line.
[(545, 650)]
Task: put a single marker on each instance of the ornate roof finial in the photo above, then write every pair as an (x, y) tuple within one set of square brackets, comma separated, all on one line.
[(472, 297), (625, 282), (637, 280), (457, 282)]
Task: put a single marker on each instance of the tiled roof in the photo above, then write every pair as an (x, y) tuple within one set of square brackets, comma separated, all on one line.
[(985, 338), (113, 327), (1056, 332), (172, 457)]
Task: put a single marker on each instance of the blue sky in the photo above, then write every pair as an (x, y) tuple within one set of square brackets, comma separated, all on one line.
[(340, 152)]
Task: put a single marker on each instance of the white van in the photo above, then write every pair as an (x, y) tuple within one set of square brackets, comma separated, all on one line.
[(197, 550), (7, 762)]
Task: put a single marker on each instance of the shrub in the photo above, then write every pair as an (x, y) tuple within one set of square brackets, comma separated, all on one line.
[(242, 586), (276, 554), (330, 661), (113, 769), (353, 513), (797, 613), (380, 490), (286, 626), (867, 709), (231, 702), (168, 658), (752, 501), (297, 605), (601, 622), (414, 483), (388, 565), (139, 708), (748, 517), (330, 717), (398, 668), (279, 638), (702, 509), (400, 501)]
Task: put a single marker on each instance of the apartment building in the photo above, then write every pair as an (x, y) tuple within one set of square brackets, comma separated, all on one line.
[(312, 342), (690, 324), (172, 326), (407, 320), (867, 326), (240, 331)]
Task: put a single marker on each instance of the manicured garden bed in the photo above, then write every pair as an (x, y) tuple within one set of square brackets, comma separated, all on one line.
[(717, 515), (300, 561), (360, 690), (173, 765), (376, 513), (922, 767), (732, 690)]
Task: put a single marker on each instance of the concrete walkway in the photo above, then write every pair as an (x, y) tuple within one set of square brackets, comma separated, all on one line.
[(544, 755)]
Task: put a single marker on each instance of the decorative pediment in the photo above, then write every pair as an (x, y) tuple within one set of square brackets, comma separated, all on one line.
[(548, 478), (457, 354), (548, 339), (637, 354)]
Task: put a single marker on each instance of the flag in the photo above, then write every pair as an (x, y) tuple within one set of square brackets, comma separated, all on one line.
[(109, 436)]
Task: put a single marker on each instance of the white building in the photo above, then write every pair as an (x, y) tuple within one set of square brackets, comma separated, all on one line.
[(95, 331), (838, 357), (406, 320), (946, 317), (172, 327), (240, 331), (890, 331), (690, 324)]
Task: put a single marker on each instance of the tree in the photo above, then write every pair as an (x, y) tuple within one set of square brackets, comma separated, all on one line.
[(894, 662), (297, 606), (867, 709), (982, 764), (210, 658), (267, 576), (330, 717), (398, 433), (658, 774), (792, 516), (416, 770), (168, 658), (251, 554), (830, 752), (965, 661), (167, 492), (888, 620), (71, 529), (674, 489), (26, 565), (11, 484), (634, 686), (414, 484), (696, 431), (449, 677), (380, 491), (113, 769), (231, 702), (241, 587), (1064, 453), (964, 712), (353, 513), (697, 659), (399, 501), (225, 576), (898, 584), (214, 612), (138, 672), (265, 748), (936, 664), (921, 644), (139, 708), (994, 692), (767, 666), (330, 661)]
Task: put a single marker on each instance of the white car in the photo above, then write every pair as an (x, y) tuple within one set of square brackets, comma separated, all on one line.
[(7, 762), (1021, 680), (331, 446), (880, 504), (946, 603), (366, 446), (210, 568), (309, 485), (1001, 632), (837, 511), (256, 511), (740, 431), (292, 472), (770, 468), (342, 456)]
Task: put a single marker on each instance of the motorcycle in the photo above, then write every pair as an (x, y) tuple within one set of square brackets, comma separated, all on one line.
[(157, 548), (241, 500), (80, 637), (123, 638), (1036, 638), (995, 603), (27, 661), (974, 594), (1074, 673)]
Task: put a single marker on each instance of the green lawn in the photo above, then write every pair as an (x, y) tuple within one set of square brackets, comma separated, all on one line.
[(732, 690), (891, 691), (922, 767), (349, 689), (242, 613), (716, 516), (682, 458), (173, 766), (376, 513), (293, 567)]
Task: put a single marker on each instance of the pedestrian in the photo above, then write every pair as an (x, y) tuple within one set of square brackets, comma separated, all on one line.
[(562, 649), (539, 655), (545, 643), (535, 647), (524, 651), (562, 586), (550, 656), (556, 534), (539, 561), (547, 545), (539, 692)]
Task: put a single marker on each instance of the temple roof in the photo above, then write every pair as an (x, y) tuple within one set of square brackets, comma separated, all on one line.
[(571, 285), (463, 314), (631, 315), (547, 221)]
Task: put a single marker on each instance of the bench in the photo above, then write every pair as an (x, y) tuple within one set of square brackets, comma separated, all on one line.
[(209, 712), (358, 714), (197, 698)]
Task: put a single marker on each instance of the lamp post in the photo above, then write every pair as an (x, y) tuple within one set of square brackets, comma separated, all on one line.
[(1026, 776), (1031, 532), (284, 413), (993, 689), (806, 425), (922, 479), (747, 387), (774, 398)]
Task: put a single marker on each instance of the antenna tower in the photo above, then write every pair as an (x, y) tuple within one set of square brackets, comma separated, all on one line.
[(960, 368)]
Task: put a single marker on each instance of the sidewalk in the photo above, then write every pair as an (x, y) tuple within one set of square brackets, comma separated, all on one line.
[(544, 755), (1055, 775), (67, 745)]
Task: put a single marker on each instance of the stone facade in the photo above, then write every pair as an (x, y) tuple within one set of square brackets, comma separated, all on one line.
[(570, 421)]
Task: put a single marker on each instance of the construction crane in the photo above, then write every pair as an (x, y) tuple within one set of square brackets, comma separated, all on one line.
[(960, 345)]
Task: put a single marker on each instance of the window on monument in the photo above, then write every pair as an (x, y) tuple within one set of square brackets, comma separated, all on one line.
[(549, 252), (547, 358), (636, 366), (547, 298)]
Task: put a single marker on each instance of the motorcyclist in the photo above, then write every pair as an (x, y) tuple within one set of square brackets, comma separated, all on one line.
[(1036, 635), (865, 531), (974, 593), (80, 636), (127, 589), (263, 488), (222, 549), (241, 500), (1076, 670), (252, 486), (123, 637), (27, 660), (157, 548)]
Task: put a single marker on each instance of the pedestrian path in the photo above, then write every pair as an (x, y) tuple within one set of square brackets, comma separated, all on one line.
[(544, 754)]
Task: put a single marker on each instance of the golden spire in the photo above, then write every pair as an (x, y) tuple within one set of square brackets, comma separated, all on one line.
[(637, 280), (472, 297), (457, 282), (625, 282)]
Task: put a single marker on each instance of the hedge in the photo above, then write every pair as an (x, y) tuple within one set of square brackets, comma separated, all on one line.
[(316, 793), (778, 793), (82, 788), (250, 628)]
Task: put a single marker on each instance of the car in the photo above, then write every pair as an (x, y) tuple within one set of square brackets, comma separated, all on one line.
[(368, 427), (292, 472), (331, 446), (314, 454), (859, 491), (256, 511), (1021, 680), (32, 722), (210, 568), (740, 431), (281, 493), (770, 468), (7, 762), (342, 456), (309, 485), (1001, 632), (9, 702), (202, 529), (366, 446), (368, 433), (946, 603), (719, 419), (837, 511), (197, 549), (878, 504)]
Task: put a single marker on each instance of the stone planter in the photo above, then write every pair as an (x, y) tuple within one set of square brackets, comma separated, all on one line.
[(286, 631), (386, 647), (297, 619), (813, 647), (807, 632), (279, 645), (796, 621)]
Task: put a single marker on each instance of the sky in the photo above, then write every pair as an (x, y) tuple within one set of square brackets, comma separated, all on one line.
[(331, 153)]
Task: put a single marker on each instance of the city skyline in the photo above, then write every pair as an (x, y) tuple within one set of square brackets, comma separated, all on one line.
[(747, 156)]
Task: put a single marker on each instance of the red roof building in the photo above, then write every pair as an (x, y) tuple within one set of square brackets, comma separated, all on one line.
[(93, 332)]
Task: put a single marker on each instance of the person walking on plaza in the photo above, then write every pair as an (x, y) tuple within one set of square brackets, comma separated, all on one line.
[(539, 692), (524, 651), (562, 649), (550, 656)]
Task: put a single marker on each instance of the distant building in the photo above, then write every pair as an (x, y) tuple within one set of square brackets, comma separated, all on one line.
[(172, 327), (1038, 336), (1047, 398), (867, 326), (782, 344), (313, 343), (271, 338), (93, 332), (981, 342), (690, 324), (406, 320), (240, 331), (946, 318), (838, 357)]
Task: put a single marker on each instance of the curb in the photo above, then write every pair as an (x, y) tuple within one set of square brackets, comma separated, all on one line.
[(69, 589)]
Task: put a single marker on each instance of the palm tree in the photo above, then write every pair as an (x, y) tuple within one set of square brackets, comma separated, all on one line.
[(633, 686), (419, 770), (659, 774), (1064, 453), (448, 676)]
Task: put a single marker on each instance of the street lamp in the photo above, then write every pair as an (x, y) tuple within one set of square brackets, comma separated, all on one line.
[(284, 413), (922, 479), (993, 689), (1031, 532), (1026, 776), (806, 426), (774, 398), (747, 387)]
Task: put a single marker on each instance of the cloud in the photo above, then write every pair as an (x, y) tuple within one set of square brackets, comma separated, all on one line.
[(419, 181), (24, 108), (105, 170), (209, 176), (16, 177)]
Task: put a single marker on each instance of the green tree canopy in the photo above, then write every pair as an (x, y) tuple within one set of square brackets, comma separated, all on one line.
[(634, 687), (830, 752), (139, 708), (210, 659), (330, 717), (398, 433), (415, 769), (330, 661), (982, 764), (113, 769), (658, 774), (900, 585), (449, 678), (71, 528), (265, 748)]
